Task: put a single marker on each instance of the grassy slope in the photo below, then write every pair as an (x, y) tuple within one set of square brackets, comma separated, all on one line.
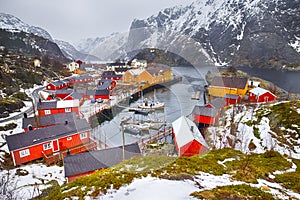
[(246, 168)]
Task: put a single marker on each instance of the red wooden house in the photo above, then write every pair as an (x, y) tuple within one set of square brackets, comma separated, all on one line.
[(188, 139), (63, 93), (107, 84), (26, 147), (208, 114), (111, 75), (232, 99), (102, 93), (75, 96), (33, 123), (55, 107), (81, 79), (261, 95), (83, 164), (56, 85)]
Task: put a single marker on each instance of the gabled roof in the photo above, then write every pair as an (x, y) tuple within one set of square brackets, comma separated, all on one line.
[(57, 83), (157, 69), (38, 136), (116, 64), (75, 95), (98, 159), (63, 91), (186, 131), (105, 85), (102, 92), (232, 96), (136, 72), (229, 82), (46, 105), (258, 91), (48, 120), (217, 103), (204, 111)]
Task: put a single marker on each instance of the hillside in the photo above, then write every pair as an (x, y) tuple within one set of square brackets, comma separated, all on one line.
[(254, 155)]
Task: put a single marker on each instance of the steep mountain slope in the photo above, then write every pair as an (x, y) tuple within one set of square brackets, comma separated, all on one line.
[(12, 23), (252, 32), (105, 48), (257, 33), (72, 53)]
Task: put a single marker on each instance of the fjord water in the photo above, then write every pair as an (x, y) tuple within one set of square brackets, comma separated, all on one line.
[(287, 80), (177, 99)]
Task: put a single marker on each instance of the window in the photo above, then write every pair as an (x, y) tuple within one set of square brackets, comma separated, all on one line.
[(83, 135), (69, 138), (24, 153), (67, 109), (47, 112), (47, 146)]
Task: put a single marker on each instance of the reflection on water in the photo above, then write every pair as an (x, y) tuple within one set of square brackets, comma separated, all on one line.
[(177, 99)]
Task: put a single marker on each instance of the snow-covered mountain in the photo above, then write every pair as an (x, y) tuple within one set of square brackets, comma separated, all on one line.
[(103, 47), (72, 53), (258, 33), (12, 23)]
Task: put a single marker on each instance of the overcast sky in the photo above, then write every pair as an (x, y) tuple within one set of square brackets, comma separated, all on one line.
[(71, 20)]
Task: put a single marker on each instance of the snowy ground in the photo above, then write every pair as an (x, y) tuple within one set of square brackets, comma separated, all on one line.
[(244, 134)]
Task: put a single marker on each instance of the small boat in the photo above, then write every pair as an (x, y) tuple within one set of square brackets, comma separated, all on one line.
[(151, 104)]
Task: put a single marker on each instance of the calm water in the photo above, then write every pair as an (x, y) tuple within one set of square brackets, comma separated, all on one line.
[(289, 81), (177, 99)]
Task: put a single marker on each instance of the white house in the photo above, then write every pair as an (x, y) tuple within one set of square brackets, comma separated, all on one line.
[(72, 66), (135, 63)]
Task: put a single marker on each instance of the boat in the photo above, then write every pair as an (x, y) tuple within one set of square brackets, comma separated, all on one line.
[(151, 104)]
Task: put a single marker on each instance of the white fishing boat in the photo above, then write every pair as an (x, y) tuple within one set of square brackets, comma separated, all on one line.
[(151, 104)]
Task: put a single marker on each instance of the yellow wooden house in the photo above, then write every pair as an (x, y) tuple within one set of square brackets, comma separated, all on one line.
[(220, 86), (160, 73), (137, 76)]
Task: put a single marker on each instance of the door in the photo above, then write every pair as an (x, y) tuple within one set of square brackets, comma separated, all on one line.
[(55, 145)]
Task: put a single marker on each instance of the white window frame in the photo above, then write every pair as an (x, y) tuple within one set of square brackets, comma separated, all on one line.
[(83, 135), (67, 109), (47, 146), (69, 138), (24, 153), (47, 112)]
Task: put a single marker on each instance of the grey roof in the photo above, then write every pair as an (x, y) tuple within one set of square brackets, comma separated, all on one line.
[(231, 96), (217, 103), (102, 92), (104, 85), (93, 160), (63, 91), (57, 83), (48, 120), (204, 111), (38, 136), (230, 82), (75, 95), (46, 105)]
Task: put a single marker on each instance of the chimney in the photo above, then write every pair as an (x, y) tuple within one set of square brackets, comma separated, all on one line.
[(204, 98), (66, 122), (68, 152), (25, 115), (192, 129)]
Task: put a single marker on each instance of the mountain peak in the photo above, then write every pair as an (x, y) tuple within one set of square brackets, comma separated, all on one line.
[(12, 23)]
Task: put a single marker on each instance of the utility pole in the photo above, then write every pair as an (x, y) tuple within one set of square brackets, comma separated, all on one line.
[(123, 140)]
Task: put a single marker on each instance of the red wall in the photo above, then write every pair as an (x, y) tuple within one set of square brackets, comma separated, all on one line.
[(72, 178), (36, 151), (262, 98), (191, 148), (57, 110), (204, 119), (102, 96)]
